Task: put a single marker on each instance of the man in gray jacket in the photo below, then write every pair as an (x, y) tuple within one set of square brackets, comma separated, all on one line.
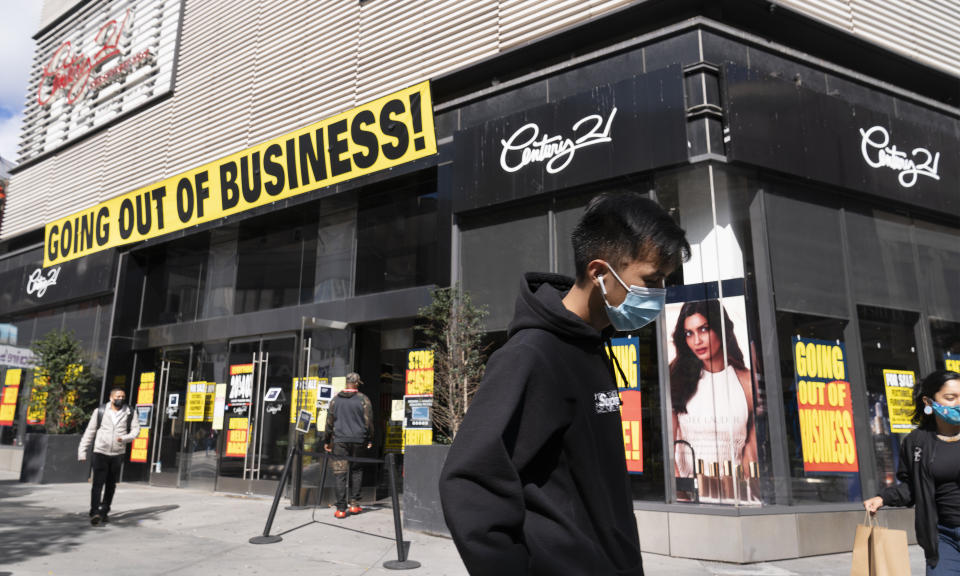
[(111, 427), (349, 428)]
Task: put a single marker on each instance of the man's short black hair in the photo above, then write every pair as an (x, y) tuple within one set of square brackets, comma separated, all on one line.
[(115, 388), (623, 227)]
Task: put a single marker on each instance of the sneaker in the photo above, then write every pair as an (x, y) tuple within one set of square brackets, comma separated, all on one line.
[(95, 519), (355, 509), (104, 519), (340, 514)]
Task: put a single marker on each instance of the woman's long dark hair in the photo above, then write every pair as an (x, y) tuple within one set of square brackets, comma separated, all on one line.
[(928, 387), (686, 367)]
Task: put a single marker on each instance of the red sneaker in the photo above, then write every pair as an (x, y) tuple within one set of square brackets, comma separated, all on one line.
[(355, 509), (340, 514)]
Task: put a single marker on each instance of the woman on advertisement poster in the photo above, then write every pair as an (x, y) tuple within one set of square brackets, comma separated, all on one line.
[(712, 399)]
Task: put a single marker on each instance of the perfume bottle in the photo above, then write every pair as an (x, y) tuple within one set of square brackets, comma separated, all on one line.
[(741, 476), (702, 484), (714, 481), (726, 483), (753, 482)]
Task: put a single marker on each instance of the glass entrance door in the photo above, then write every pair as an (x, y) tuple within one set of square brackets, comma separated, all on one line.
[(169, 440), (257, 432)]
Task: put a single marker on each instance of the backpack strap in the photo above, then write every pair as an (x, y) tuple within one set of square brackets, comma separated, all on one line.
[(100, 410)]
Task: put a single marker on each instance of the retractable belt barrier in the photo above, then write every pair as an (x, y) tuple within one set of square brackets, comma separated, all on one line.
[(403, 547)]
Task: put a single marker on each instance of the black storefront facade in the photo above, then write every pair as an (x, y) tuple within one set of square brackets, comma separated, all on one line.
[(824, 216), (823, 209)]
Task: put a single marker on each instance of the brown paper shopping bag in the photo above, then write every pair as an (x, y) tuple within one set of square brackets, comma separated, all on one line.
[(861, 548), (888, 552)]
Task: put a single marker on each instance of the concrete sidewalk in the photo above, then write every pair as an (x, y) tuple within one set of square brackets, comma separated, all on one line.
[(45, 531)]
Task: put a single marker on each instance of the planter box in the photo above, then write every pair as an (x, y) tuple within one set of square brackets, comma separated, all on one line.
[(52, 458), (421, 488)]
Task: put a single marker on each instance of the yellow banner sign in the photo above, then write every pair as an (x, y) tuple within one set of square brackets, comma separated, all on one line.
[(147, 385), (387, 132), (138, 452), (196, 401), (309, 401), (898, 385), (237, 433), (8, 399)]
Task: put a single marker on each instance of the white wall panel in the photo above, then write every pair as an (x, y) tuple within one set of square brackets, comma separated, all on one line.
[(925, 30), (26, 206)]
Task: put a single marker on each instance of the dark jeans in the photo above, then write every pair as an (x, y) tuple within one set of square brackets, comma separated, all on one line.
[(948, 547), (342, 469), (106, 472)]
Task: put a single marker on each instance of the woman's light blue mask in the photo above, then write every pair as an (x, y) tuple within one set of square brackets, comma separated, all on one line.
[(639, 308), (949, 414)]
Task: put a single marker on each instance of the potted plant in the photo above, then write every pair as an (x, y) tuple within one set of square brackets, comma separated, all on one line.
[(452, 327), (61, 401)]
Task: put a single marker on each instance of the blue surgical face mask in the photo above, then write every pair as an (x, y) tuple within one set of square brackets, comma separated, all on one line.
[(949, 414), (640, 307)]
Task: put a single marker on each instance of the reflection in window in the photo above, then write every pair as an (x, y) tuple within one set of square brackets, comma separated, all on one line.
[(283, 243), (889, 349), (496, 251), (174, 281), (397, 237), (335, 250), (946, 344)]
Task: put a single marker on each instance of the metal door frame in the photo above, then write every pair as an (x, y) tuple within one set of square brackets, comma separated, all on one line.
[(261, 361), (160, 412)]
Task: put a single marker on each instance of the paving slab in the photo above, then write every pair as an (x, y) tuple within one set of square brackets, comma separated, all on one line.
[(157, 531)]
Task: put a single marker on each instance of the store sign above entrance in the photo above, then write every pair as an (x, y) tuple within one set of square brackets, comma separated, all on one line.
[(105, 60), (886, 148), (387, 132), (606, 131)]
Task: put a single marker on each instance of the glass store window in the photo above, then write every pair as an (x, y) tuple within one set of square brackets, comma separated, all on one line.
[(720, 447), (174, 281), (889, 347), (276, 260), (496, 249), (397, 228)]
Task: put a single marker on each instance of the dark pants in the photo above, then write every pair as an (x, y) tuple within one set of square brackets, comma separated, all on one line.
[(948, 548), (106, 473), (342, 469)]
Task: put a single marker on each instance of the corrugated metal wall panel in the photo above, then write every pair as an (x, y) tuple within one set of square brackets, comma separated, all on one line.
[(939, 43), (836, 12), (75, 183), (133, 156), (926, 30), (523, 20), (26, 206), (876, 21), (303, 78), (211, 104)]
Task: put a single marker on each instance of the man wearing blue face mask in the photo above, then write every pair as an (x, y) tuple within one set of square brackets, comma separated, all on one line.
[(536, 480)]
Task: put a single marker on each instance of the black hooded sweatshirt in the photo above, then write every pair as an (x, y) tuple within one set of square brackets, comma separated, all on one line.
[(536, 481)]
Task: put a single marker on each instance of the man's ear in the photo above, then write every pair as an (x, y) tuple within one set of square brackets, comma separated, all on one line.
[(594, 269)]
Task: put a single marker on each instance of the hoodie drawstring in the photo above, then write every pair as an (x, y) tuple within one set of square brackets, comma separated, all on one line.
[(614, 362)]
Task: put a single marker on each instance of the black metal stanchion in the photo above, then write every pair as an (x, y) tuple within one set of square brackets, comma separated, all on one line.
[(266, 538), (403, 547), (296, 478)]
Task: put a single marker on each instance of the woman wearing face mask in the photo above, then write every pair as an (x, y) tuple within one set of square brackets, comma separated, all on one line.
[(712, 396), (929, 472)]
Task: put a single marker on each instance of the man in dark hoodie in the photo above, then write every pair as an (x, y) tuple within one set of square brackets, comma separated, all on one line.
[(349, 428), (536, 481)]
